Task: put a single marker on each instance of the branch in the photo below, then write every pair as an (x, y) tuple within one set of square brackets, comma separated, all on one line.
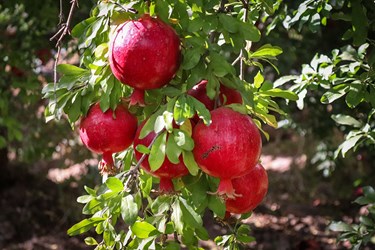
[(130, 10), (242, 68), (60, 34)]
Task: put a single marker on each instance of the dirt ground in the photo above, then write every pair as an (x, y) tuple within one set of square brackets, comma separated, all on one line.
[(38, 204)]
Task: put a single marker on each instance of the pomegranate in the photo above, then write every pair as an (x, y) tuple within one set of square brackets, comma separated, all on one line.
[(228, 148), (107, 133), (167, 171), (251, 188), (144, 54), (226, 96)]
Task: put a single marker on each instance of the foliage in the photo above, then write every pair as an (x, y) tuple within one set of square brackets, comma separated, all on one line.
[(348, 73), (24, 51), (362, 233), (213, 33)]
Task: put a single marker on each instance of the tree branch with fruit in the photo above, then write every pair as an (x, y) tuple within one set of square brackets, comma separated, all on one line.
[(157, 92)]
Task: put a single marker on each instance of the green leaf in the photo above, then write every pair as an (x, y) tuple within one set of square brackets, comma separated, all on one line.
[(149, 124), (142, 229), (245, 238), (78, 30), (172, 150), (191, 58), (339, 227), (90, 241), (229, 23), (142, 149), (114, 184), (202, 111), (183, 109), (216, 205), (286, 94), (177, 217), (161, 204), (334, 94), (266, 50), (219, 65), (190, 162), (157, 153), (346, 120), (258, 80), (85, 198), (69, 69), (129, 209), (249, 31), (359, 22), (183, 139), (84, 226), (190, 217), (284, 79), (348, 144)]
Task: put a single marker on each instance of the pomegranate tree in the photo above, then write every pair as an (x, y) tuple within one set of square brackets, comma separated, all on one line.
[(144, 54), (167, 170), (107, 133), (228, 148), (251, 189)]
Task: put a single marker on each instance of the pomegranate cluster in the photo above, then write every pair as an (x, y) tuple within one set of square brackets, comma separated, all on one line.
[(145, 54), (229, 149)]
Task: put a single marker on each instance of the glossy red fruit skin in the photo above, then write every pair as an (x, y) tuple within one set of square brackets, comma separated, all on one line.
[(102, 133), (144, 53), (227, 95), (252, 189), (168, 170), (229, 147)]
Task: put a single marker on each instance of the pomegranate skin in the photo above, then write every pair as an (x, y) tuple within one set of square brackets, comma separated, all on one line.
[(102, 133), (251, 188), (145, 54), (229, 147), (168, 170)]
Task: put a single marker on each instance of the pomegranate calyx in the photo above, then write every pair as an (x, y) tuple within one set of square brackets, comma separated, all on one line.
[(106, 165), (137, 97), (166, 186), (226, 190)]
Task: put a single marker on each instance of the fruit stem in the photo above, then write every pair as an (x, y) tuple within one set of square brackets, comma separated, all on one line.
[(137, 97), (166, 185)]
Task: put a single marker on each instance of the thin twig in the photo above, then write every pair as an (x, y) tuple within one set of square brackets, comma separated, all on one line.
[(60, 34), (242, 66), (137, 166), (130, 10)]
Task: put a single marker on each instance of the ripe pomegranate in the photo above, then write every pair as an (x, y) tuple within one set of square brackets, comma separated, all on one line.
[(226, 95), (228, 148), (107, 133), (251, 189), (167, 171), (144, 54)]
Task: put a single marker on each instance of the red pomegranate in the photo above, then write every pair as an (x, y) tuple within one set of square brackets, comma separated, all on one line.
[(226, 96), (107, 133), (251, 190), (167, 171), (144, 54), (228, 148)]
